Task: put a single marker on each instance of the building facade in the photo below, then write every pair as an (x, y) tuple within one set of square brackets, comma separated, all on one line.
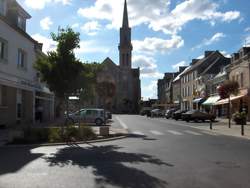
[(126, 80), (194, 82), (21, 92)]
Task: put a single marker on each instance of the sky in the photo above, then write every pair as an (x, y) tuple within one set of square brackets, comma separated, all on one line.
[(166, 34)]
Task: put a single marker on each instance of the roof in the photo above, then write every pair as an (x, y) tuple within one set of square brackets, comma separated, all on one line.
[(201, 61), (179, 76)]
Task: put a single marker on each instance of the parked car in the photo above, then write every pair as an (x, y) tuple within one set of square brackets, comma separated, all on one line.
[(156, 113), (108, 115), (196, 115), (93, 115), (177, 115), (170, 112), (146, 112)]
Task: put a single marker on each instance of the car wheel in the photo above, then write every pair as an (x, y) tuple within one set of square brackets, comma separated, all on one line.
[(98, 122)]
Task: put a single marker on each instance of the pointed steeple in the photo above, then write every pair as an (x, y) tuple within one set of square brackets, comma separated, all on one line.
[(125, 16)]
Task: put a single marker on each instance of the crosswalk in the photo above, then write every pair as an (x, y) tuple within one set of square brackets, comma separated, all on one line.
[(172, 132)]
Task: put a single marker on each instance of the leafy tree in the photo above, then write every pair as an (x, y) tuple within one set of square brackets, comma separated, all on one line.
[(60, 69), (228, 88)]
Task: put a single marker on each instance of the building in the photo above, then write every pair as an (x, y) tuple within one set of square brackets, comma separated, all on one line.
[(239, 70), (176, 85), (194, 81), (126, 80), (21, 92)]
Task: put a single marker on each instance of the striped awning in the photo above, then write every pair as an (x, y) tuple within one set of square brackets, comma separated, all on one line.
[(211, 100)]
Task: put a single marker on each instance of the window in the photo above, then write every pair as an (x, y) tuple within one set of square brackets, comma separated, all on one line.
[(3, 50), (241, 80), (21, 61), (21, 23)]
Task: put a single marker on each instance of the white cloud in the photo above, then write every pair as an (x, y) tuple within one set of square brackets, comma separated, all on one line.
[(148, 66), (154, 45), (215, 38), (91, 28), (45, 23), (40, 4), (75, 25), (247, 29), (180, 64), (157, 15), (226, 54), (91, 46), (150, 90), (48, 44)]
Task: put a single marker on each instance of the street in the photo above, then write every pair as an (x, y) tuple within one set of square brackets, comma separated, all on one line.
[(157, 153)]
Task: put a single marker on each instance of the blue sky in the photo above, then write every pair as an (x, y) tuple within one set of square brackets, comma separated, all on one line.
[(165, 33)]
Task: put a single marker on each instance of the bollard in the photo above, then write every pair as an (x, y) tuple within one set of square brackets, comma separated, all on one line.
[(211, 125), (242, 129)]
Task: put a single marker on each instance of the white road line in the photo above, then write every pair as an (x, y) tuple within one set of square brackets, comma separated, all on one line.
[(122, 123), (210, 133), (193, 133), (174, 132), (156, 132), (137, 133)]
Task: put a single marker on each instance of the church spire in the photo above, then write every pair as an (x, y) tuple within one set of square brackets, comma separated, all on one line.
[(125, 16)]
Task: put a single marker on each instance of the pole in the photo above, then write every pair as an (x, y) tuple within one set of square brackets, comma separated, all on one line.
[(229, 112), (211, 125), (242, 128)]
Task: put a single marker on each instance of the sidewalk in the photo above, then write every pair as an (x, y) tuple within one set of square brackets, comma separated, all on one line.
[(220, 127)]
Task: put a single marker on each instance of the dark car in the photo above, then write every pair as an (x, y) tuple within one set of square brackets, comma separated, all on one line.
[(196, 115), (178, 114), (170, 112)]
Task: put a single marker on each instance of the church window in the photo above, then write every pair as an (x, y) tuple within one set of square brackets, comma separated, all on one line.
[(127, 59)]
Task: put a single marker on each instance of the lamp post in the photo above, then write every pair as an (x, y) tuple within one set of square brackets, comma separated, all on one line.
[(79, 92)]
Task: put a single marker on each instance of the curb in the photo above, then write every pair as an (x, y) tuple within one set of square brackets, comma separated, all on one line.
[(64, 143)]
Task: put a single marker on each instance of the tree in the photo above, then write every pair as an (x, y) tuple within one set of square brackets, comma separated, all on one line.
[(228, 88), (60, 69)]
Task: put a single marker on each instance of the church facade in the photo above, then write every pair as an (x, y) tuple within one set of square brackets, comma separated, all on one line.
[(126, 80)]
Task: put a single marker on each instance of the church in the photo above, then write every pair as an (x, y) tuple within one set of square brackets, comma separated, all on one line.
[(126, 80)]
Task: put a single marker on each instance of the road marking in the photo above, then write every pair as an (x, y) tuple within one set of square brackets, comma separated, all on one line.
[(193, 133), (210, 133), (122, 123), (138, 133), (156, 132), (174, 132)]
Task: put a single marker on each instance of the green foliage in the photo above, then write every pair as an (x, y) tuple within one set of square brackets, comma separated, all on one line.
[(240, 117), (227, 88), (87, 133), (60, 69)]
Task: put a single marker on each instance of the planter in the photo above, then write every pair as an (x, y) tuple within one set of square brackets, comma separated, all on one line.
[(242, 121)]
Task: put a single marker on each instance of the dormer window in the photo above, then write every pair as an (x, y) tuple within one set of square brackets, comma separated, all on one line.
[(21, 22)]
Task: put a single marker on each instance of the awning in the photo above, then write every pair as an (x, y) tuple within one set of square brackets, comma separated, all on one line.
[(226, 101), (199, 100), (211, 100)]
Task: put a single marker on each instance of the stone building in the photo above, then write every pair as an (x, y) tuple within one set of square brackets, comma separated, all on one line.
[(194, 81), (127, 94), (239, 70), (21, 92)]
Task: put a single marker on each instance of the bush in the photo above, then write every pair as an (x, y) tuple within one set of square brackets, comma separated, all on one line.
[(87, 133), (54, 135), (240, 117)]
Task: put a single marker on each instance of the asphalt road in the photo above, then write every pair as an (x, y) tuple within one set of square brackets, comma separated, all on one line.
[(158, 153)]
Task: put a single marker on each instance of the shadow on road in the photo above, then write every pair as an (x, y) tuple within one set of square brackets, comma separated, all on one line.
[(13, 159), (109, 165), (144, 137)]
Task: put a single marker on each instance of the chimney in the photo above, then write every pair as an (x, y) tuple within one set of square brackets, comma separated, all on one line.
[(194, 61), (207, 53)]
